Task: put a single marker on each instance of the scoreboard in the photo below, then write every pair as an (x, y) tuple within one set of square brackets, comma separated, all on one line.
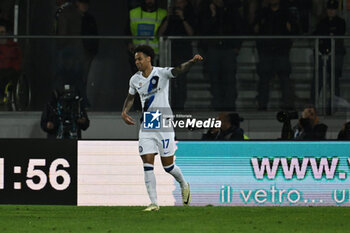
[(38, 171)]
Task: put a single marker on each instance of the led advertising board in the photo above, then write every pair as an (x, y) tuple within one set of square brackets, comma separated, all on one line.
[(247, 173), (220, 173)]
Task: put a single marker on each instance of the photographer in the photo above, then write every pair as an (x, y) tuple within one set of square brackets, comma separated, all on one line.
[(64, 115), (344, 133), (308, 127), (230, 128)]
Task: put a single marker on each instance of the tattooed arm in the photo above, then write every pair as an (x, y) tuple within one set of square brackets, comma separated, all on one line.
[(185, 67), (129, 101)]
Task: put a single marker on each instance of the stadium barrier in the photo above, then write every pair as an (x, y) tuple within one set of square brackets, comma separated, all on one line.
[(109, 173)]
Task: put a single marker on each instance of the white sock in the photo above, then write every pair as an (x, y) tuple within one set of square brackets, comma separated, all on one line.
[(175, 171), (150, 182)]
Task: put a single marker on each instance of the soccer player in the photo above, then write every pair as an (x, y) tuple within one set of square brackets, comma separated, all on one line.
[(152, 84)]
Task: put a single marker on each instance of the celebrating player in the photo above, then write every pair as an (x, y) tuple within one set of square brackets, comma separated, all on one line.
[(152, 84)]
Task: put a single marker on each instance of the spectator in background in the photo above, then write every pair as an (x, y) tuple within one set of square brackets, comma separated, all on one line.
[(69, 52), (331, 25), (229, 130), (299, 11), (10, 59), (67, 19), (179, 22), (221, 18), (144, 21), (64, 115), (318, 12), (274, 54), (344, 133), (308, 127), (88, 28), (251, 10)]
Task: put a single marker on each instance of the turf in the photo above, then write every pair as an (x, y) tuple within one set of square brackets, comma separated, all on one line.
[(37, 219)]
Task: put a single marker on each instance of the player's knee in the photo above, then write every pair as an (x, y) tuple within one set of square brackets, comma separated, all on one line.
[(169, 168), (148, 167)]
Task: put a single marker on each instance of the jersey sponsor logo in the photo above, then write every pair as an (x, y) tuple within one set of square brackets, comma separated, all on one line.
[(152, 89), (151, 93), (140, 149), (152, 120)]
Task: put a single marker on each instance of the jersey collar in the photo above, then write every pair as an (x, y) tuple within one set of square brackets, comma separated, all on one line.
[(150, 74)]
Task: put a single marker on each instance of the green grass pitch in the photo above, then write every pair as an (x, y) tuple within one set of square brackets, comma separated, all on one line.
[(44, 219)]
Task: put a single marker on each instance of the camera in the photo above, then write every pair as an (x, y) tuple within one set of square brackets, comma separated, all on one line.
[(68, 111), (284, 117)]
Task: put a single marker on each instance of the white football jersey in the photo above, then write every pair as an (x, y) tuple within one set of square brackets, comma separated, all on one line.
[(153, 90)]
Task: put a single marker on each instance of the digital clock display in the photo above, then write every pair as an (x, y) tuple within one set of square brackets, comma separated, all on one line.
[(38, 171)]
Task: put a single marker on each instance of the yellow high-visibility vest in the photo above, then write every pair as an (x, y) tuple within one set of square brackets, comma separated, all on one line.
[(143, 23)]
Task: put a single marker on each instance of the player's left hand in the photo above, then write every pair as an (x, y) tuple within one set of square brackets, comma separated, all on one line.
[(197, 58)]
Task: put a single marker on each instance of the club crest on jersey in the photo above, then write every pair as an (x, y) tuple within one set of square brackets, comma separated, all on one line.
[(152, 120)]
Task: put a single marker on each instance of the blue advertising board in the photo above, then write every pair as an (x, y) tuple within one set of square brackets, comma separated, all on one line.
[(266, 173)]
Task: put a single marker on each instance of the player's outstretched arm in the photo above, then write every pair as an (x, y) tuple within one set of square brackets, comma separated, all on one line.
[(185, 67), (129, 101)]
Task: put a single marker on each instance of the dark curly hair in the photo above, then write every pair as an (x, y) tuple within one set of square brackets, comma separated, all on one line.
[(145, 49)]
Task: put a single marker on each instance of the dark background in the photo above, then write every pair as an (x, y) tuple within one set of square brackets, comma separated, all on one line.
[(110, 71)]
